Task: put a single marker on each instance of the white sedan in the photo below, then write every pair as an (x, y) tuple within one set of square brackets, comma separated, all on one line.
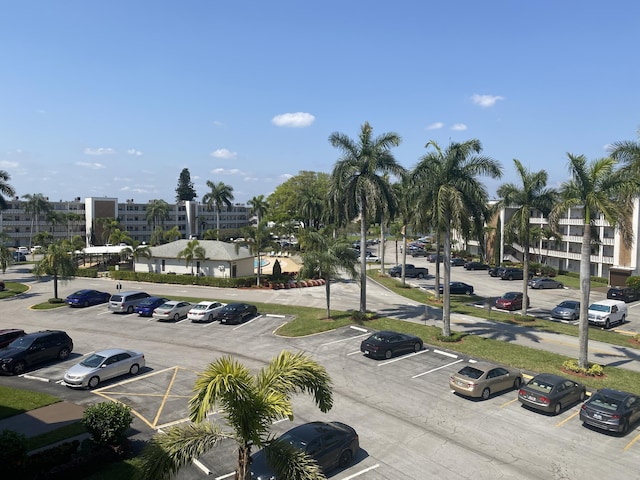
[(172, 310), (104, 365), (205, 311)]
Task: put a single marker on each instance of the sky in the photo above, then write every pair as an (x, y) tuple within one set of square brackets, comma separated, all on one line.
[(114, 98)]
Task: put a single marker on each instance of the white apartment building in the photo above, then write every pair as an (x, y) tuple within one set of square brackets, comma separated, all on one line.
[(191, 218)]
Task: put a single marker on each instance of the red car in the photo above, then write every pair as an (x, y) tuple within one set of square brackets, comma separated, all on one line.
[(511, 301), (9, 335)]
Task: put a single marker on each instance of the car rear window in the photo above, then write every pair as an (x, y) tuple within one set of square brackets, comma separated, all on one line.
[(471, 372), (539, 385), (605, 402), (599, 308), (116, 298)]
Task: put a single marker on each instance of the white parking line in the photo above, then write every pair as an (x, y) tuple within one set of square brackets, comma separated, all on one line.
[(247, 323), (357, 474), (360, 329), (438, 368), (403, 357)]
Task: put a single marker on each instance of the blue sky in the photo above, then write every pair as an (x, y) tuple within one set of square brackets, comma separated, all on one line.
[(115, 98)]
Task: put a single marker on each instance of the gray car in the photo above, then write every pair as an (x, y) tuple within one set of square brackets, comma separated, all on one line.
[(544, 282), (567, 310), (104, 365), (550, 393)]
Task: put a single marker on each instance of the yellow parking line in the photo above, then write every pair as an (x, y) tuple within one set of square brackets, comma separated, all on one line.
[(139, 415), (164, 400), (136, 394), (567, 419), (509, 402), (628, 445)]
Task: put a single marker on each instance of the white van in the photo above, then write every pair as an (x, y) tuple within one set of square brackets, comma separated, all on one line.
[(607, 312)]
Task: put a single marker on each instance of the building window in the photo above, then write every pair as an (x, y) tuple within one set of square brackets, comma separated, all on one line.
[(163, 265)]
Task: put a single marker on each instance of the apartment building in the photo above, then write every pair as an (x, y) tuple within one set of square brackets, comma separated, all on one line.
[(79, 217)]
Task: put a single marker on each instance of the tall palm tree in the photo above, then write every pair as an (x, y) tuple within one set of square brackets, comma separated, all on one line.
[(250, 404), (192, 252), (108, 225), (5, 189), (357, 182), (36, 205), (258, 239), (454, 195), (157, 213), (259, 206), (326, 258), (599, 189), (219, 195), (135, 250), (172, 234), (532, 194), (58, 262), (627, 152)]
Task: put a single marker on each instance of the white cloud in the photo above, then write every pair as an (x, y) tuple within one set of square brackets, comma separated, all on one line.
[(435, 126), (99, 151), (134, 190), (122, 179), (92, 166), (251, 179), (296, 120), (218, 123), (459, 127), (8, 165), (485, 101), (224, 153), (230, 171), (285, 176), (133, 151)]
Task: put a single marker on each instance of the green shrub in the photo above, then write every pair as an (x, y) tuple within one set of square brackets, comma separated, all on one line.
[(13, 452), (42, 462), (594, 369), (56, 300), (548, 271), (87, 273), (108, 422), (633, 282)]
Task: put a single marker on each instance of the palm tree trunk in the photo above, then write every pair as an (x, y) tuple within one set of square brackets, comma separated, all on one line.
[(259, 269), (446, 307), (585, 290), (244, 462), (437, 264), (55, 284), (404, 254), (328, 295), (363, 257), (381, 248), (525, 273), (217, 223)]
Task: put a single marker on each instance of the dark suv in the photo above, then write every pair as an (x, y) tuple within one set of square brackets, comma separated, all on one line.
[(512, 274), (625, 294), (34, 348)]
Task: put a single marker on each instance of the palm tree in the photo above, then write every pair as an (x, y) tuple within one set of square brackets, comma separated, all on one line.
[(157, 213), (56, 262), (172, 234), (549, 233), (73, 221), (6, 256), (118, 236), (455, 197), (532, 194), (36, 205), (191, 252), (136, 250), (325, 258), (109, 225), (599, 189), (5, 189), (220, 194), (259, 206), (250, 404), (627, 152), (258, 239), (357, 182)]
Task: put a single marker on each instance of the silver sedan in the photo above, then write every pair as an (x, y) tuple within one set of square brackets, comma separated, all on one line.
[(104, 365), (172, 310)]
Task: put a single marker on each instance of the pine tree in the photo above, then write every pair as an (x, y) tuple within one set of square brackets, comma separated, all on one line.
[(185, 190)]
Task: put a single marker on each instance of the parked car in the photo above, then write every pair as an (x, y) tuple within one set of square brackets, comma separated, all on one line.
[(146, 307), (19, 257), (567, 310), (418, 252), (432, 257), (34, 348), (457, 262), (86, 297), (410, 270), (126, 301), (544, 282), (8, 335), (611, 410), (172, 310), (237, 312), (386, 344), (550, 393), (205, 311), (36, 249), (496, 271), (606, 313), (458, 288), (511, 301), (23, 250), (480, 380), (331, 444), (370, 258), (625, 294), (512, 274), (476, 266), (102, 366)]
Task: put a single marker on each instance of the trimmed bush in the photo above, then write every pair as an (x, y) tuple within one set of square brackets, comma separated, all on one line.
[(13, 452), (108, 422)]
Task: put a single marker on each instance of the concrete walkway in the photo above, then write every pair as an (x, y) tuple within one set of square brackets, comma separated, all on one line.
[(44, 419)]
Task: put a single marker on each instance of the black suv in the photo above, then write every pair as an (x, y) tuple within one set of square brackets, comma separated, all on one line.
[(625, 294), (512, 274), (34, 348)]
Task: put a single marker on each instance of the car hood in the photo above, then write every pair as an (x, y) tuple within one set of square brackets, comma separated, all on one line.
[(81, 370), (260, 470)]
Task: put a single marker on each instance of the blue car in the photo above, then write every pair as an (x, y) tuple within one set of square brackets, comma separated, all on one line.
[(84, 298), (146, 307)]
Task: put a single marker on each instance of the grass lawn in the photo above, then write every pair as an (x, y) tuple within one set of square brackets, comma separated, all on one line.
[(11, 289), (14, 401)]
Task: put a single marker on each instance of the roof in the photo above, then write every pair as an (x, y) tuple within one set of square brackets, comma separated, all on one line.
[(213, 250)]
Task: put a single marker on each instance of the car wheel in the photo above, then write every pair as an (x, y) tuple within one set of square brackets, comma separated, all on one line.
[(64, 353), (486, 393), (574, 317), (85, 304), (517, 382), (607, 324), (345, 458), (94, 382), (135, 368), (625, 427), (560, 285), (210, 319), (130, 309), (623, 319), (388, 354), (467, 291), (19, 367), (176, 317), (417, 347), (582, 396), (557, 409), (420, 276)]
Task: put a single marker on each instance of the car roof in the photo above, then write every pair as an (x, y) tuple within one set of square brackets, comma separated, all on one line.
[(615, 393), (11, 330), (311, 430), (112, 351), (207, 302), (550, 378)]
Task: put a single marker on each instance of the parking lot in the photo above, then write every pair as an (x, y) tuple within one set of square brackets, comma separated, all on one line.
[(410, 424)]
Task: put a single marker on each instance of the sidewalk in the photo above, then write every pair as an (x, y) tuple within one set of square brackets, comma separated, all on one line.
[(44, 419)]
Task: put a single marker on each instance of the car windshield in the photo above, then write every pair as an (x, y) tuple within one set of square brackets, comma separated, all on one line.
[(510, 296), (605, 402), (93, 361), (80, 293), (541, 386), (471, 372), (598, 307), (231, 308), (294, 441), (568, 305), (116, 298), (22, 343), (167, 306)]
